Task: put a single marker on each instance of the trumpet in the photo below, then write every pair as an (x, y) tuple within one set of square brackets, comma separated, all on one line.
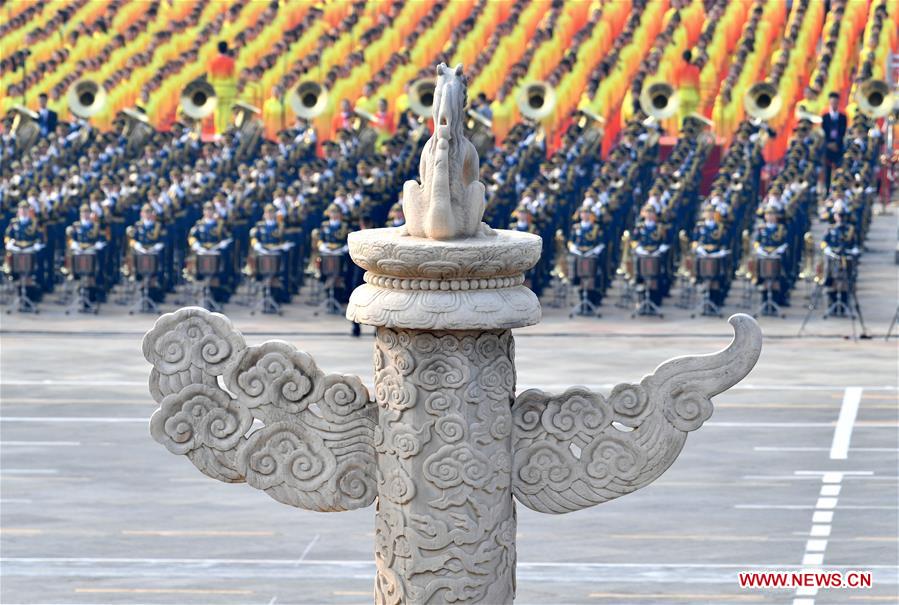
[(198, 99), (762, 101), (85, 98), (536, 100), (421, 97), (308, 100), (659, 100), (874, 98)]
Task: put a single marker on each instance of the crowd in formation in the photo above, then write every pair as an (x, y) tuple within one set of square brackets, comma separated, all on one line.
[(613, 196)]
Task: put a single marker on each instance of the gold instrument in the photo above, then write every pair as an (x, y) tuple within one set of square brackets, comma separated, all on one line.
[(762, 101), (308, 100), (248, 124), (198, 99), (560, 270), (659, 100), (746, 269), (808, 257), (136, 129), (592, 127), (367, 135), (421, 97), (313, 267), (802, 113), (24, 127), (686, 269), (85, 98), (479, 131), (874, 98), (536, 100), (626, 268)]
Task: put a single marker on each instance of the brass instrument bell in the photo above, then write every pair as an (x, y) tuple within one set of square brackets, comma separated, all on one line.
[(85, 98), (308, 100), (198, 99), (536, 100)]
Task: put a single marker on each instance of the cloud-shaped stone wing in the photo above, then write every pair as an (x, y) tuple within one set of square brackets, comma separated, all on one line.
[(579, 449), (282, 425)]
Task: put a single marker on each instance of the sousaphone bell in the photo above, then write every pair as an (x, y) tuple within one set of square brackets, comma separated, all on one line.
[(874, 98), (762, 101), (85, 98), (536, 100), (421, 97), (198, 99), (308, 100), (659, 100)]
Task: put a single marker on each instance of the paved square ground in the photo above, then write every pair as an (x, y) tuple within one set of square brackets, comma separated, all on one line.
[(797, 466)]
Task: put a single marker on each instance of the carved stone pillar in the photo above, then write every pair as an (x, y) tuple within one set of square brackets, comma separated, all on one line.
[(445, 385)]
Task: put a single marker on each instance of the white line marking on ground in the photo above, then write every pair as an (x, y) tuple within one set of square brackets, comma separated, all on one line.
[(765, 448), (308, 548), (822, 516), (72, 419), (41, 443), (839, 449), (816, 546)]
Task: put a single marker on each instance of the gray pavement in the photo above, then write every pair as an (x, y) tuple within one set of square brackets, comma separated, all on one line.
[(93, 511)]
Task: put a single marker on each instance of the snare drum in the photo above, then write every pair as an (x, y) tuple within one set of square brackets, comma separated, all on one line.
[(146, 263), (23, 263), (84, 264), (331, 264), (585, 266), (769, 267), (267, 265), (208, 264), (710, 267), (649, 266)]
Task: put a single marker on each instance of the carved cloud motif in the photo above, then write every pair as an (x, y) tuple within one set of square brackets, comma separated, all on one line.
[(315, 448), (579, 449)]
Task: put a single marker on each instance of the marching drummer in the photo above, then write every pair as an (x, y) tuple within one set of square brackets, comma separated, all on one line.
[(771, 240), (24, 235), (148, 236), (587, 240), (267, 237), (710, 239), (332, 240), (210, 234), (85, 237)]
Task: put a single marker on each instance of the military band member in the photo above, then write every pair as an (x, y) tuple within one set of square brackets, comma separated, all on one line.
[(148, 236), (650, 239), (710, 239), (840, 248), (24, 235), (332, 240), (771, 240), (210, 235), (524, 222), (268, 237), (86, 237), (396, 218), (586, 240)]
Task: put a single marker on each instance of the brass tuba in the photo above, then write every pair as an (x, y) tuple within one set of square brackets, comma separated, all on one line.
[(762, 101), (248, 124), (874, 98), (198, 99), (808, 257), (24, 127), (135, 128), (479, 131), (560, 270), (659, 100), (536, 100), (421, 97), (85, 98), (308, 100)]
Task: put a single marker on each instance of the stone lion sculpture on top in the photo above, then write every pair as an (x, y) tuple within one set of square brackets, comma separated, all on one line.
[(449, 201)]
